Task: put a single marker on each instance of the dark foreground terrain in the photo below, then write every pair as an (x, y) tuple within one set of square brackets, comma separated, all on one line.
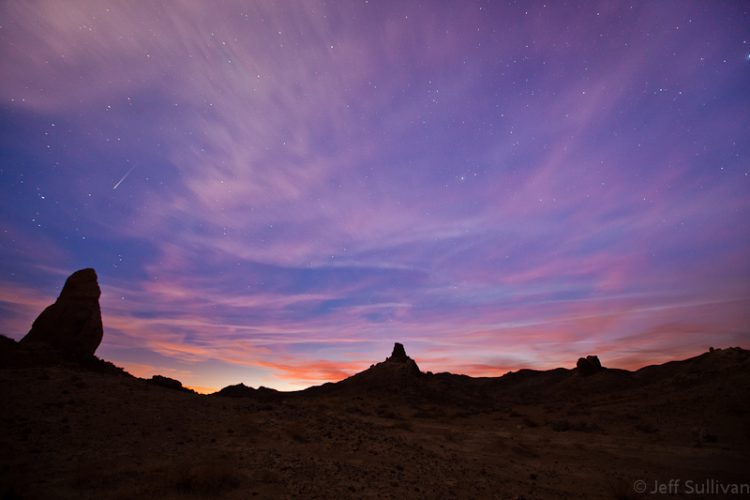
[(89, 430)]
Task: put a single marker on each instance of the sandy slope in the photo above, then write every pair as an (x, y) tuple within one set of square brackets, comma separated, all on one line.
[(69, 432)]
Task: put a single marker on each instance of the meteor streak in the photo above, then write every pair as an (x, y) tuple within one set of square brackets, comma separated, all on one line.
[(123, 178)]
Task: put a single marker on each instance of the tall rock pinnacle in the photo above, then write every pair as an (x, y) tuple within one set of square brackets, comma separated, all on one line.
[(73, 324), (398, 354)]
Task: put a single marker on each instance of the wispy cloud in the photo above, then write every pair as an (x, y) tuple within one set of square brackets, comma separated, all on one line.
[(484, 182)]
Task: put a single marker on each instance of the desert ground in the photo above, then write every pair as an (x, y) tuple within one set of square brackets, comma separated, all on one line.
[(73, 430)]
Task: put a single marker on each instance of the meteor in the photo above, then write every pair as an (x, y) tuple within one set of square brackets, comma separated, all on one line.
[(123, 178)]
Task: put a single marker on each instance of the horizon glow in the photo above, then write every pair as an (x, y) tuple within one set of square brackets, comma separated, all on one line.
[(275, 195)]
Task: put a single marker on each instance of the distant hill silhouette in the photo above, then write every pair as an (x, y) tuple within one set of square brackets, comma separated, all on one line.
[(400, 377), (76, 426)]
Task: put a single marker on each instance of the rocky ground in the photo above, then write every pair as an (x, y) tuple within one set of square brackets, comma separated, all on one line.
[(391, 432)]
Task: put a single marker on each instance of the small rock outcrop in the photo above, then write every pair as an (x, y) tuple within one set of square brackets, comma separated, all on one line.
[(398, 359), (399, 354), (167, 382), (73, 324), (242, 391), (394, 375), (236, 391), (588, 365)]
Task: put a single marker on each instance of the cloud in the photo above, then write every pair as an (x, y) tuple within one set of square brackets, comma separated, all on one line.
[(481, 182), (316, 371)]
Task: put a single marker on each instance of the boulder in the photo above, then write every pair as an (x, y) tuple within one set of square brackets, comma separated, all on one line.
[(167, 382), (588, 365), (73, 324)]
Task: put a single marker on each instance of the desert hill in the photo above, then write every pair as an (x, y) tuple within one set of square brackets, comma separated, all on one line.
[(76, 426), (78, 430)]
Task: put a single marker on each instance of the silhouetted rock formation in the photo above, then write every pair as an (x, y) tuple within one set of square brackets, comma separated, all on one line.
[(236, 391), (242, 391), (73, 324), (167, 382), (394, 375), (588, 365), (398, 354)]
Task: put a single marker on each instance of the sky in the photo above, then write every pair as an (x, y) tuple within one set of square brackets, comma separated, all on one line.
[(274, 192)]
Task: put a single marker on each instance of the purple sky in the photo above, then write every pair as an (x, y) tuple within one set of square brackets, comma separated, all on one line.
[(274, 193)]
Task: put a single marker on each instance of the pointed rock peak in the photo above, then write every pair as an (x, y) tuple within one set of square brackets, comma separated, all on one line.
[(399, 353)]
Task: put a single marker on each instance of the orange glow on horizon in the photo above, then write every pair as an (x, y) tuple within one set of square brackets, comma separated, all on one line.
[(201, 390)]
